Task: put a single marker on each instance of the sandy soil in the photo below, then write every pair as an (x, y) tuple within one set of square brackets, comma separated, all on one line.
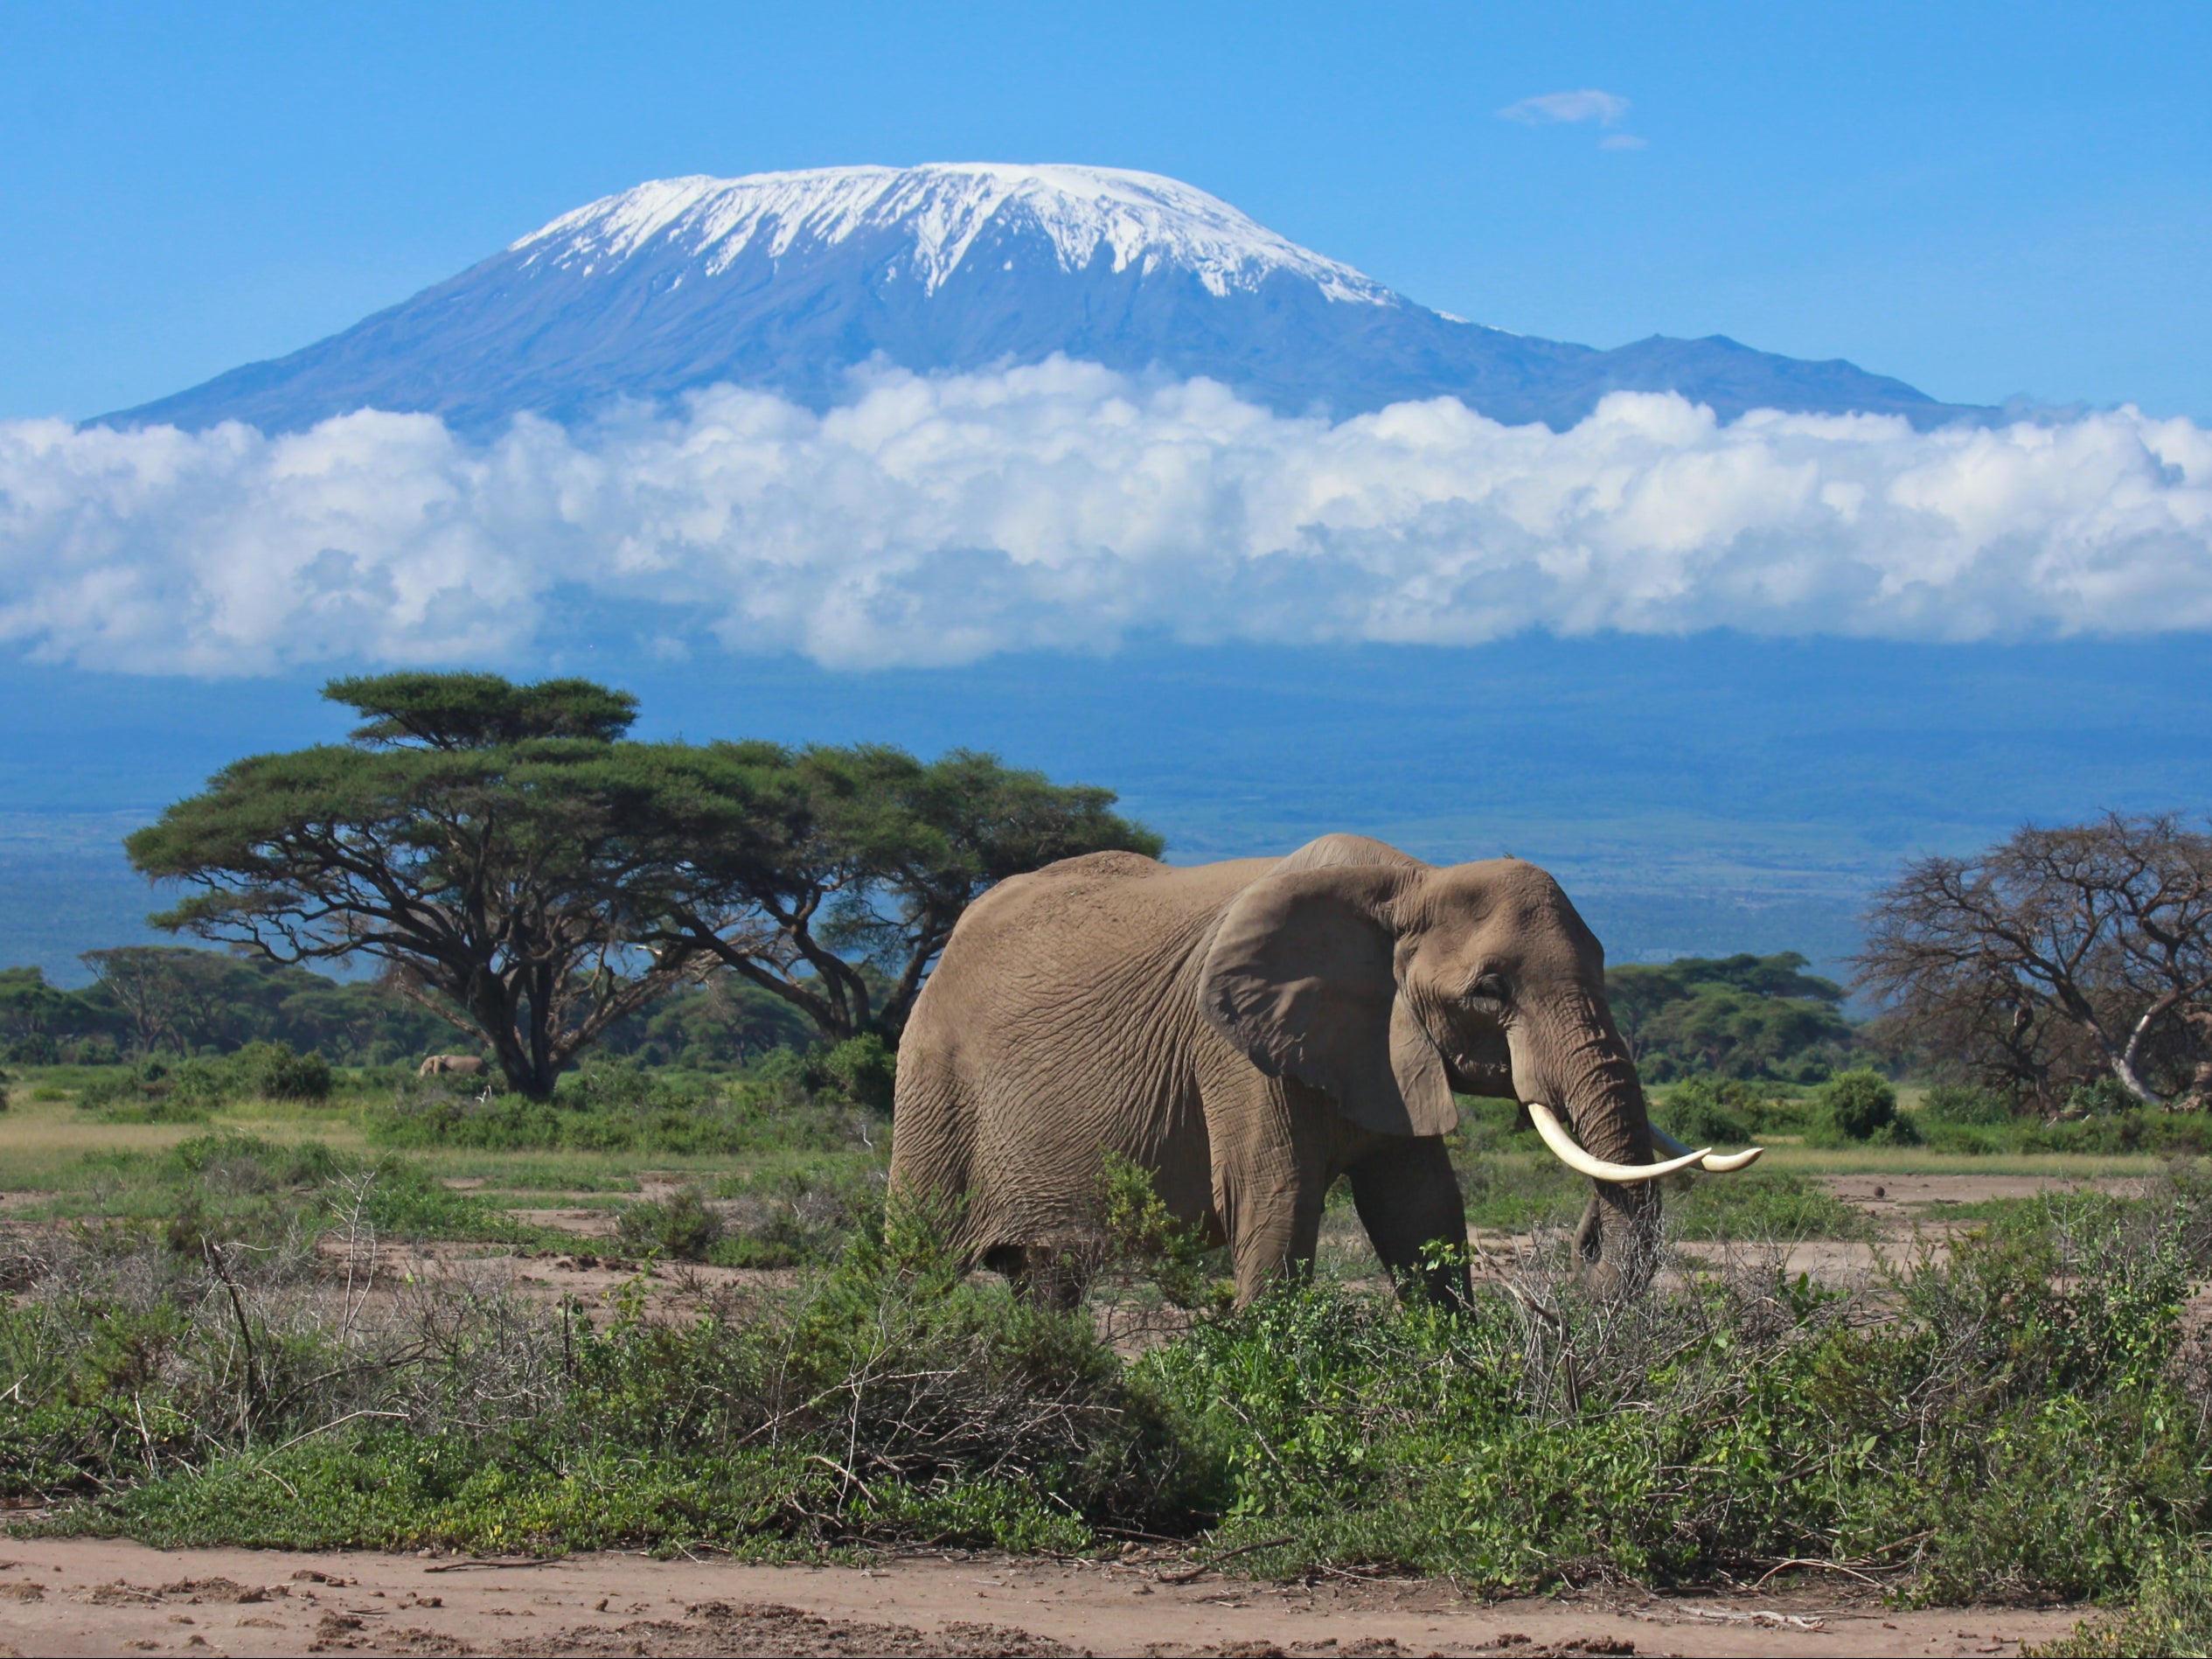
[(1899, 1200), (66, 1598)]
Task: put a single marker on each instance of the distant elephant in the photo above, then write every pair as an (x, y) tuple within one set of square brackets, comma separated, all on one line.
[(459, 1066), (1250, 1031)]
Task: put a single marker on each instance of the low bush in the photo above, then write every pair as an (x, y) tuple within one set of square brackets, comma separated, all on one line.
[(613, 1107), (273, 1071), (1966, 1106), (862, 1069), (893, 1399), (1859, 1108), (679, 1227), (187, 1091), (1705, 1111), (2018, 1426), (804, 1212), (2021, 1418)]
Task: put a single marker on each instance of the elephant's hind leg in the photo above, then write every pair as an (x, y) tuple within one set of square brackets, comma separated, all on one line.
[(1409, 1199)]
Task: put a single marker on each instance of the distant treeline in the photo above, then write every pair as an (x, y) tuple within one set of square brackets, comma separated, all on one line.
[(1744, 1017), (153, 1000)]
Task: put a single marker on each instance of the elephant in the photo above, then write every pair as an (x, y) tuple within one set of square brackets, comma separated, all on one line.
[(459, 1066), (1247, 1032)]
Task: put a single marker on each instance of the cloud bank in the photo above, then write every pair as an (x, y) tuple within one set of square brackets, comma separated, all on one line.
[(937, 520)]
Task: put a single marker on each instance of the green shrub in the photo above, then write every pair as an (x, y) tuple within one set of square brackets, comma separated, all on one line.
[(2101, 1096), (862, 1069), (187, 1090), (1144, 1240), (306, 1164), (679, 1227), (2171, 1613), (1858, 1107), (1704, 1111), (273, 1071)]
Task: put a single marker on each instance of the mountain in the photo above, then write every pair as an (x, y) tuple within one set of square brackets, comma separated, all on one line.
[(786, 280)]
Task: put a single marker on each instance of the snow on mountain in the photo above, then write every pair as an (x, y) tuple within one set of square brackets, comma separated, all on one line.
[(1141, 219), (786, 282)]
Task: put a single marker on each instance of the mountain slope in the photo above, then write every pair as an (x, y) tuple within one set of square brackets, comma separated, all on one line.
[(786, 280)]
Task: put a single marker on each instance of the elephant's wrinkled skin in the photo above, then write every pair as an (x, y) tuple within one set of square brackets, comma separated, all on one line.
[(1250, 1031)]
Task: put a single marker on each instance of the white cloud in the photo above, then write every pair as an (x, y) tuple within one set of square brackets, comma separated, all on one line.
[(1623, 141), (1588, 104), (935, 520)]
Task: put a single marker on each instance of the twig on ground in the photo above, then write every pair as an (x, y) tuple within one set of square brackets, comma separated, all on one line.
[(1212, 1561), (1825, 1566)]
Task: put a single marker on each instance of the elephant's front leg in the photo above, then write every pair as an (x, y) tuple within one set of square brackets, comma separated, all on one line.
[(1409, 1200), (1272, 1175)]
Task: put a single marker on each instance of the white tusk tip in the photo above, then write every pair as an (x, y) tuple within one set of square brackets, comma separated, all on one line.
[(1720, 1165)]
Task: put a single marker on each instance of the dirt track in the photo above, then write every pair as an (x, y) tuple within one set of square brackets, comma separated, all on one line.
[(101, 1596)]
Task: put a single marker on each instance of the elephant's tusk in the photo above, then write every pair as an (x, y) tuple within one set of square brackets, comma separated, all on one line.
[(1718, 1166), (1581, 1163)]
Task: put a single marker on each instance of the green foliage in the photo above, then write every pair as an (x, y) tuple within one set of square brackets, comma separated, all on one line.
[(504, 850), (450, 711), (187, 1091), (2043, 1451), (1963, 1104), (1142, 1237), (721, 1026), (2171, 1613), (173, 1001), (479, 838), (2133, 1132), (2100, 1097), (1739, 1016), (860, 860), (1860, 1107), (2014, 1423), (863, 1069), (893, 1399), (1760, 1204), (611, 1106), (273, 1071), (1708, 1112), (679, 1227)]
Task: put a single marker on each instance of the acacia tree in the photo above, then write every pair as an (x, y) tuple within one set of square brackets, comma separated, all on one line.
[(477, 837), (833, 876), (2056, 956), (173, 997), (1741, 1016)]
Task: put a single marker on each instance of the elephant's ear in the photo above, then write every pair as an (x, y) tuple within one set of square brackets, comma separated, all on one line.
[(1299, 979)]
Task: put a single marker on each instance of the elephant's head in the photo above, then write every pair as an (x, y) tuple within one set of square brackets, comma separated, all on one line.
[(1389, 983)]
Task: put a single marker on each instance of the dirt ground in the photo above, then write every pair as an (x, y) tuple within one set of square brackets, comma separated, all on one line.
[(99, 1597)]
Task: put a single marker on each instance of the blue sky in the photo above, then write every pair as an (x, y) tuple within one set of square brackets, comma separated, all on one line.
[(1983, 200)]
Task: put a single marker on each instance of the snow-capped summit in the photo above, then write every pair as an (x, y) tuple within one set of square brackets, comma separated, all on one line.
[(1135, 218), (788, 281)]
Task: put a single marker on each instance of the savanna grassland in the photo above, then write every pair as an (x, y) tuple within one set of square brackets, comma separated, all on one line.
[(666, 1311)]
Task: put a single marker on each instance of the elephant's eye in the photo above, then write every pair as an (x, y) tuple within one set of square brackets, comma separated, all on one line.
[(1490, 988)]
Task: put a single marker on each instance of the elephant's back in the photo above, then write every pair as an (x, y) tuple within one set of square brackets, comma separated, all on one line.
[(1060, 1019)]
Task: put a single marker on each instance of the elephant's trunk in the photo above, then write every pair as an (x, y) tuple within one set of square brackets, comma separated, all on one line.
[(1579, 1061)]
